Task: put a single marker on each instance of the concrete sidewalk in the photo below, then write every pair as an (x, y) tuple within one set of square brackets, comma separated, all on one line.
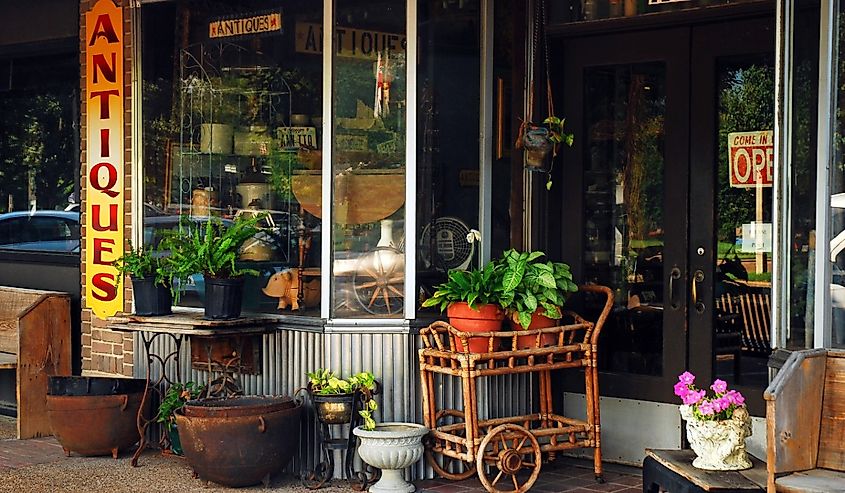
[(39, 465)]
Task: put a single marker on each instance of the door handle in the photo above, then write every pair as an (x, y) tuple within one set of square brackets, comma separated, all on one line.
[(697, 278), (674, 275)]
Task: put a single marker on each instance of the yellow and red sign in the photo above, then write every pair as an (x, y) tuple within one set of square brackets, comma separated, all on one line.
[(253, 24), (104, 168), (751, 159)]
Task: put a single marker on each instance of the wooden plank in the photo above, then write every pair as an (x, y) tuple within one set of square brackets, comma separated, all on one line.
[(8, 361), (45, 350), (813, 481), (793, 413), (832, 434), (9, 334), (680, 462)]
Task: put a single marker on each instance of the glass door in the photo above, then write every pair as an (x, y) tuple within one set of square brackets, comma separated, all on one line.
[(626, 182), (669, 183)]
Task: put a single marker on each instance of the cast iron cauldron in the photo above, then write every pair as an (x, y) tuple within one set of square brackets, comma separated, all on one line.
[(239, 441), (95, 415)]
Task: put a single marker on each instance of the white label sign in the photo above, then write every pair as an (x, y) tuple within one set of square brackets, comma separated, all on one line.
[(756, 238)]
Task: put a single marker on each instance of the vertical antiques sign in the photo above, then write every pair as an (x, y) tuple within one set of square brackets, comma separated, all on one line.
[(104, 166)]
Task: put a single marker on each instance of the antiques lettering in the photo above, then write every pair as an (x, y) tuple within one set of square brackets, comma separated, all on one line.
[(254, 24), (352, 43)]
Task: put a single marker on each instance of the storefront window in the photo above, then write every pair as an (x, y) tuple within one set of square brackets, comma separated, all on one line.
[(592, 10), (232, 117), (805, 82), (39, 154), (448, 120), (837, 199), (368, 159)]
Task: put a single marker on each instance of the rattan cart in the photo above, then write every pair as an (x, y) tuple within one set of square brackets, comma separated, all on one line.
[(508, 452)]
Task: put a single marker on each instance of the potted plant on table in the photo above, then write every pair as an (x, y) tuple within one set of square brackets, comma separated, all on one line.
[(212, 249), (717, 425), (533, 294), (174, 399), (151, 277), (334, 397), (472, 301)]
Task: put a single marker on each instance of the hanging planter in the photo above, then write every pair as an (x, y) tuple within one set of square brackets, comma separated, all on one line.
[(537, 143)]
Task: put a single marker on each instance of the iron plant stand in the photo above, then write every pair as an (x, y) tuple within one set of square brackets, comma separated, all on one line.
[(334, 414)]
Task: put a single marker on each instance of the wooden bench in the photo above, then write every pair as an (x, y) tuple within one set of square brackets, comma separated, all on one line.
[(747, 306), (672, 470), (35, 343), (805, 424)]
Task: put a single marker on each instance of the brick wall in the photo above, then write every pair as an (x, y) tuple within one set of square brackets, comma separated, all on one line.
[(104, 350)]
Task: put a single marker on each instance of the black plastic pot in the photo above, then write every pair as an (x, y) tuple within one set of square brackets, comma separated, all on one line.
[(151, 298), (223, 298)]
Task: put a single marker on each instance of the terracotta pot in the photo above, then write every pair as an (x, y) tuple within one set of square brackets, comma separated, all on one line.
[(484, 318), (537, 322)]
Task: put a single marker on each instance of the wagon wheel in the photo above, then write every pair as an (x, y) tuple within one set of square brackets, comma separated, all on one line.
[(379, 281), (434, 459), (508, 448)]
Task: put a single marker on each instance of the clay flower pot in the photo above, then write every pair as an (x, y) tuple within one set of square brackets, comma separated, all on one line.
[(391, 447), (719, 445), (538, 321), (484, 318)]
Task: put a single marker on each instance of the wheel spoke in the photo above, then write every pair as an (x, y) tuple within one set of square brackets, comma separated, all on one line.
[(375, 295), (519, 447), (398, 293), (529, 464), (515, 482), (498, 477), (504, 443), (386, 299), (368, 285)]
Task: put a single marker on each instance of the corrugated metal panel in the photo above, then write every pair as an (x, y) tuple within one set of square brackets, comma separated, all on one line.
[(288, 354)]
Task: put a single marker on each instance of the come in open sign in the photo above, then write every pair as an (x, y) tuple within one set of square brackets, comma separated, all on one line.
[(751, 158)]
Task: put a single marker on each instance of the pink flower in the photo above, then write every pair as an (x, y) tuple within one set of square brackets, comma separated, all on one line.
[(681, 389), (687, 378), (719, 386), (735, 398), (693, 397), (721, 404), (706, 408)]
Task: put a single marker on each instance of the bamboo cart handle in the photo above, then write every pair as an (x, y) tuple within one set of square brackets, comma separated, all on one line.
[(608, 305)]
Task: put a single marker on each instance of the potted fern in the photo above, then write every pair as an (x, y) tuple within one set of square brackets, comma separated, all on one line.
[(537, 290), (211, 249), (151, 280)]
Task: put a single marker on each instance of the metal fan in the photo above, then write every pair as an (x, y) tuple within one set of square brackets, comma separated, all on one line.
[(444, 245)]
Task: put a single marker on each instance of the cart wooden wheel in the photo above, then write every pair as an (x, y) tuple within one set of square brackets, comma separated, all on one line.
[(508, 449), (379, 281), (443, 464)]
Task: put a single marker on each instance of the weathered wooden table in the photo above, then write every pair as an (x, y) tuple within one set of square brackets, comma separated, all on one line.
[(178, 327), (672, 470)]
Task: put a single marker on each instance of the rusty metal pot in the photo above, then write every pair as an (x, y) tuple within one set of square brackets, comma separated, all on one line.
[(239, 441), (95, 416), (334, 409)]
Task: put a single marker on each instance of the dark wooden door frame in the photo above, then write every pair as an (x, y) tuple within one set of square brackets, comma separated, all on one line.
[(672, 47)]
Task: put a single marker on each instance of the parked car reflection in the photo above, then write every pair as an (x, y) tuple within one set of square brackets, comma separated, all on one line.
[(40, 231)]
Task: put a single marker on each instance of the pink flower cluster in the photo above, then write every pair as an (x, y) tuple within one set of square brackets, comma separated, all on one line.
[(718, 407)]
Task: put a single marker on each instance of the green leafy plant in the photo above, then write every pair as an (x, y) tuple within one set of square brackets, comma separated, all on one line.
[(211, 248), (557, 136), (476, 286), (326, 382), (144, 263), (529, 284), (174, 399)]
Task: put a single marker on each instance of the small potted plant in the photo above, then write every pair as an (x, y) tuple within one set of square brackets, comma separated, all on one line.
[(717, 425), (539, 140), (472, 301), (335, 397), (151, 280), (174, 399), (534, 293), (212, 249)]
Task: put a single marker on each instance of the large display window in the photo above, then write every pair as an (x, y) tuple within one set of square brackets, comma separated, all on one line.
[(232, 121)]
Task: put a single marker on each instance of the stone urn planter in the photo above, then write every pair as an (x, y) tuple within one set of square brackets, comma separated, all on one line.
[(391, 447), (719, 445)]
